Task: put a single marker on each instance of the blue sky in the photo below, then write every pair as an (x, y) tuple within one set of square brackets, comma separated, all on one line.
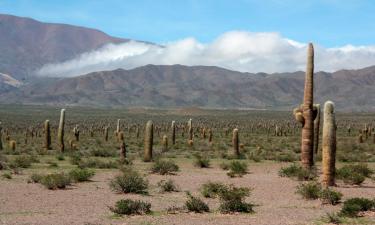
[(330, 23)]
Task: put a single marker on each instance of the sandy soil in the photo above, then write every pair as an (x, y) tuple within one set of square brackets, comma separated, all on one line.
[(87, 203)]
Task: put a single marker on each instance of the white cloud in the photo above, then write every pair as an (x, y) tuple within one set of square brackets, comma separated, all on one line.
[(236, 50)]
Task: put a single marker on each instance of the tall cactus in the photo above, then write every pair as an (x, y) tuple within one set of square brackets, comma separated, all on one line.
[(106, 133), (173, 132), (47, 135), (190, 129), (306, 113), (165, 143), (118, 127), (329, 144), (149, 138), (1, 137), (235, 142), (316, 128), (60, 133)]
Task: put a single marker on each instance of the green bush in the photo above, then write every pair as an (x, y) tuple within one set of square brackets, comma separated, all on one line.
[(329, 196), (80, 175), (55, 181), (296, 171), (164, 167), (309, 190), (60, 157), (21, 161), (7, 175), (232, 200), (353, 206), (224, 166), (237, 169), (213, 189), (131, 207), (103, 152), (201, 161), (97, 163), (195, 204), (167, 186), (35, 178), (352, 174), (129, 182)]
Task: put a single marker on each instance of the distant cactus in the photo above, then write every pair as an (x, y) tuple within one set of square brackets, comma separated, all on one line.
[(76, 132), (120, 136), (210, 135), (360, 138), (106, 133), (60, 134), (165, 143), (1, 137), (122, 151), (316, 128), (12, 145), (173, 132), (118, 127), (190, 129), (306, 113), (47, 135), (149, 138), (235, 142), (329, 144)]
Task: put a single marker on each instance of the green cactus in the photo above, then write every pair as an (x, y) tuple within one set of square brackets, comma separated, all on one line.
[(329, 145), (47, 135), (149, 137), (60, 133)]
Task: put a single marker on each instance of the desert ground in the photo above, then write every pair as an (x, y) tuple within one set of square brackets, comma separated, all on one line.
[(265, 152)]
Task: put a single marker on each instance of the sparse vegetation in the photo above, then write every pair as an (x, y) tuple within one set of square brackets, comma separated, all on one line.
[(164, 167), (167, 186), (131, 207), (129, 181), (195, 204)]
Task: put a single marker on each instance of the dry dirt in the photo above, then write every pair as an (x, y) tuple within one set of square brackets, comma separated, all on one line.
[(87, 203)]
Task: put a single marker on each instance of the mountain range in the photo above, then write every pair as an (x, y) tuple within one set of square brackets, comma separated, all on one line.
[(26, 45)]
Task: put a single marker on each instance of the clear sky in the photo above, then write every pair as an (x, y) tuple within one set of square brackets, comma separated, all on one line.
[(330, 23)]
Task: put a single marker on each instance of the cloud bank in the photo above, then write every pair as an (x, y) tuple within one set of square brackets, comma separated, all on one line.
[(235, 50)]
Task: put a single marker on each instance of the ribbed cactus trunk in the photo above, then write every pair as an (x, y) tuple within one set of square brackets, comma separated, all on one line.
[(149, 138), (165, 143), (47, 135), (12, 144), (316, 128), (1, 137), (118, 126), (106, 133), (173, 132), (60, 132), (235, 142), (306, 115), (190, 129), (122, 151), (329, 145), (210, 135)]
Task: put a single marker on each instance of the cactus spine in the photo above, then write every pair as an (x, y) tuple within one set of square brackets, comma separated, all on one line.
[(149, 137), (305, 114), (173, 130), (47, 135), (60, 133), (316, 128), (235, 142), (329, 144)]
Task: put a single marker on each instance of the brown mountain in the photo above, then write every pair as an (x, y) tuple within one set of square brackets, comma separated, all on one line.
[(27, 44), (204, 86)]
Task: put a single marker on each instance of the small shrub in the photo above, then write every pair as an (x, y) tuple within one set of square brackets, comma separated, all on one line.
[(97, 163), (353, 206), (333, 218), (129, 182), (310, 190), (131, 207), (53, 164), (296, 171), (201, 161), (60, 157), (80, 175), (213, 189), (329, 196), (354, 174), (55, 181), (167, 186), (35, 178), (7, 175), (21, 161), (224, 166), (103, 153), (195, 204), (237, 169), (164, 167), (232, 200)]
